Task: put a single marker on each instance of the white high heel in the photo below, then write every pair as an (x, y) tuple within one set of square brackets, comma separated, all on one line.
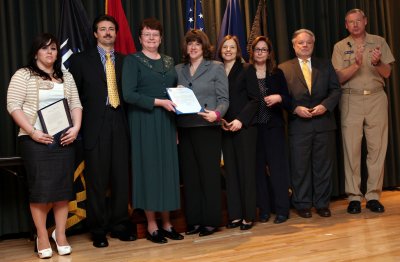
[(62, 250), (44, 253)]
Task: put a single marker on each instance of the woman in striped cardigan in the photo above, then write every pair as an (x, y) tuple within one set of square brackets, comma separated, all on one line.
[(49, 162)]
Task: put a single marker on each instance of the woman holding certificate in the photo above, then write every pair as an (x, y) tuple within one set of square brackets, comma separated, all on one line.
[(239, 138), (49, 169), (145, 77), (200, 134)]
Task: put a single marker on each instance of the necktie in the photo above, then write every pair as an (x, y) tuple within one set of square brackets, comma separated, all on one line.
[(113, 97), (306, 73)]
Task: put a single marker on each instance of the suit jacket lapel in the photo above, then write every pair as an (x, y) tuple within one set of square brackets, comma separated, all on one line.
[(201, 69), (186, 72), (315, 71), (298, 72), (98, 64)]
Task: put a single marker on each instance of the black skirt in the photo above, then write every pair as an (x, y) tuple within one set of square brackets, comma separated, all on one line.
[(49, 170)]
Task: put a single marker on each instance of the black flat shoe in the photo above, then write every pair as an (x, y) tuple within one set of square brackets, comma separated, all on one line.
[(280, 219), (205, 231), (354, 207), (156, 237), (193, 230), (264, 218), (246, 226), (99, 240), (232, 224), (375, 206), (171, 234)]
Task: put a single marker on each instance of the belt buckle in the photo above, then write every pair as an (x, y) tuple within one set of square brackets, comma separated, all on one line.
[(366, 92)]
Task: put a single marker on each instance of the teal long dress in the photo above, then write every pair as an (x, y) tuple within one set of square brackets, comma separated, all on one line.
[(153, 132)]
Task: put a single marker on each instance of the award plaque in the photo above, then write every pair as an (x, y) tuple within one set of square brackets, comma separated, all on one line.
[(55, 117)]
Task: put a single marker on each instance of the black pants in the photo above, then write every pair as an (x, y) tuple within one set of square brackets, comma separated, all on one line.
[(313, 163), (199, 157), (239, 151), (272, 188), (107, 167)]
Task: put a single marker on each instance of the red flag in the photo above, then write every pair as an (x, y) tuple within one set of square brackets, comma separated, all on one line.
[(124, 43)]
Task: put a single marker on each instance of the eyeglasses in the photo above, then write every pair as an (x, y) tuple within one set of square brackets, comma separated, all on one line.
[(261, 50), (148, 35)]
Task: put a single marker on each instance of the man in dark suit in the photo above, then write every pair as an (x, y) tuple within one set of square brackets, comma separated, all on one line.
[(315, 92), (105, 135)]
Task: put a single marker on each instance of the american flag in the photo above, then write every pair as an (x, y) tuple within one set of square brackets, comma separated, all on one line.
[(194, 15)]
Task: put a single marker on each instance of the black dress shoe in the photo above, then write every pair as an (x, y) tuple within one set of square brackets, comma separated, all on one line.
[(280, 219), (375, 206), (244, 226), (264, 218), (156, 237), (193, 230), (123, 235), (305, 212), (171, 234), (232, 224), (324, 212), (206, 231), (354, 207), (99, 240)]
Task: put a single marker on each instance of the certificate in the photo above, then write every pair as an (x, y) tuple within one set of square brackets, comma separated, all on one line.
[(185, 100), (55, 117)]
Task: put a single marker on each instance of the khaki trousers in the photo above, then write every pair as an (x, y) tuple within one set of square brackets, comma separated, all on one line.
[(368, 113)]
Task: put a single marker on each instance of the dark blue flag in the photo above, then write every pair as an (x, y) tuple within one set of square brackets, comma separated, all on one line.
[(194, 15), (74, 34), (232, 24)]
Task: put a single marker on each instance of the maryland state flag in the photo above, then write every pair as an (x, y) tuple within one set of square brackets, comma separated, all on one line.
[(124, 43), (75, 35)]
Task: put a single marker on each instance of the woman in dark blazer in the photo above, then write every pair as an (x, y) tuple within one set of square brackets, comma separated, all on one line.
[(272, 160), (200, 134), (239, 138)]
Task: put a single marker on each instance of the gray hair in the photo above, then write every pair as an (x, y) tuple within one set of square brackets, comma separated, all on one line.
[(354, 11), (296, 33)]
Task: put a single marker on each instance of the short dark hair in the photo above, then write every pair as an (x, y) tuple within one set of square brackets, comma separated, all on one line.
[(102, 18), (239, 50), (200, 37), (40, 41), (354, 11), (151, 23), (270, 63)]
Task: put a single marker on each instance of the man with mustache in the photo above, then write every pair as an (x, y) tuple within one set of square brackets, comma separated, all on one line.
[(97, 73)]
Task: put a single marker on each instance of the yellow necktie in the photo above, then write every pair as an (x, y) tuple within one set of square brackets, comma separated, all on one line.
[(306, 73), (113, 97)]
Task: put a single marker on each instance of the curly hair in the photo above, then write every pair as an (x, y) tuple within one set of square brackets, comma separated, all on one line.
[(201, 38)]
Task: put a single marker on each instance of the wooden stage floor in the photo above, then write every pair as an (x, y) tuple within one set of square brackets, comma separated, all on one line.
[(343, 237)]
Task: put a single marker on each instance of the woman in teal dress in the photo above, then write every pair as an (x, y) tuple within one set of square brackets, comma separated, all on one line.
[(145, 77)]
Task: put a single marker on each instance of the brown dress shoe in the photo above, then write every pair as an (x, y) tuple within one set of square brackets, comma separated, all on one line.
[(305, 212), (324, 212)]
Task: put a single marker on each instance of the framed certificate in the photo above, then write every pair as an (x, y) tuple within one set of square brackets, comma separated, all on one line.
[(55, 117), (185, 100)]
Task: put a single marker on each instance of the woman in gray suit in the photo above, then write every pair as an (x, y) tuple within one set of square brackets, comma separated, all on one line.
[(200, 134)]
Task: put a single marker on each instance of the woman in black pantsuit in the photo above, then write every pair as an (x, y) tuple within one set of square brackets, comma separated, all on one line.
[(239, 138), (272, 186)]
